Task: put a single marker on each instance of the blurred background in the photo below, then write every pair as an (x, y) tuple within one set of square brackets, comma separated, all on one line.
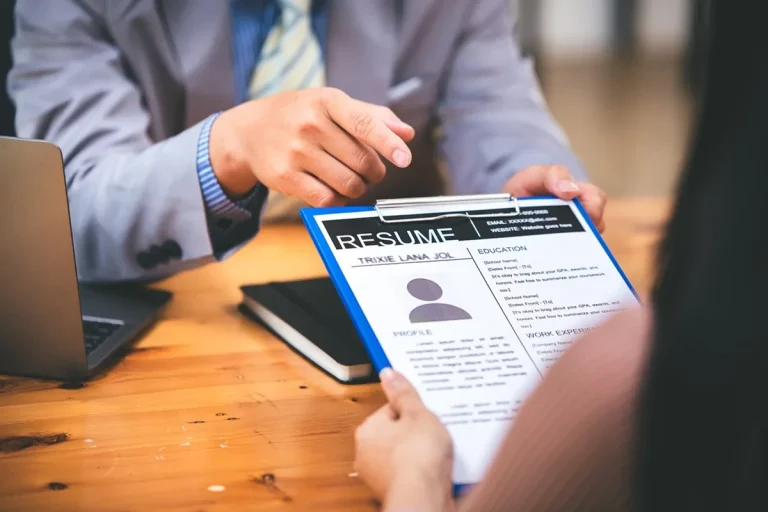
[(621, 76)]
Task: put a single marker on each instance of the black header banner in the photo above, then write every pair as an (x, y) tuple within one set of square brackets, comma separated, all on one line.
[(371, 232)]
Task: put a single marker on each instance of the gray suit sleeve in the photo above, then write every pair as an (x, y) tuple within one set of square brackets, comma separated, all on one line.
[(494, 120), (129, 195)]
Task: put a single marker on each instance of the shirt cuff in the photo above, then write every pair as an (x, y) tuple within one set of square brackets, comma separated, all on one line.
[(216, 201), (230, 223)]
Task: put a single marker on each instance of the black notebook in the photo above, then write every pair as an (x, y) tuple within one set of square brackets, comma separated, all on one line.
[(309, 316)]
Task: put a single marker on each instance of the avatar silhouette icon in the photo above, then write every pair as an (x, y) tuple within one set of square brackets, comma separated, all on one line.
[(430, 291)]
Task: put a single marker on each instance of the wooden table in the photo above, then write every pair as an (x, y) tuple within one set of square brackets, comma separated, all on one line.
[(210, 412)]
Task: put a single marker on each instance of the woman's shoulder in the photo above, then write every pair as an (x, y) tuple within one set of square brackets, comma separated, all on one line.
[(571, 446), (611, 363), (613, 356)]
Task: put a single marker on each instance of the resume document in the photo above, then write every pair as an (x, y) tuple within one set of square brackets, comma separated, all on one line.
[(474, 311)]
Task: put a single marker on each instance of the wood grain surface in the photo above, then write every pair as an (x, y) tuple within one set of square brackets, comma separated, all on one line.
[(208, 411)]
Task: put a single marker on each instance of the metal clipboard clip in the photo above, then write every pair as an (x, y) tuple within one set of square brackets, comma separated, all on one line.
[(385, 207)]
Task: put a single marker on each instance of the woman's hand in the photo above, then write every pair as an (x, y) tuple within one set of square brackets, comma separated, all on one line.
[(404, 453)]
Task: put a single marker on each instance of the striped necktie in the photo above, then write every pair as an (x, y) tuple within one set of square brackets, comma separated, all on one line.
[(291, 59)]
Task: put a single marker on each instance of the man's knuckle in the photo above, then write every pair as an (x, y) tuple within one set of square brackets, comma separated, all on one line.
[(297, 149), (310, 123), (286, 175), (378, 170), (352, 186), (330, 94), (364, 160), (322, 199), (306, 129), (362, 124)]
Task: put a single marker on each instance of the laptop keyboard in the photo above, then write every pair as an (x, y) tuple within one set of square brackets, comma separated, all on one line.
[(97, 332)]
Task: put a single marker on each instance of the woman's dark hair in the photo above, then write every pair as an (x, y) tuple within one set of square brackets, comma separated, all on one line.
[(702, 441)]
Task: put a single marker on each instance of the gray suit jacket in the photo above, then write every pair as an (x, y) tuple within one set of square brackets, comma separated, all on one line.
[(122, 86)]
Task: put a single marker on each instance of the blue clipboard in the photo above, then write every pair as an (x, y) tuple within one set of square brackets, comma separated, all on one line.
[(372, 345)]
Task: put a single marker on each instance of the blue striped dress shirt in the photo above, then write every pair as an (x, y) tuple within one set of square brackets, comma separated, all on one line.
[(232, 223)]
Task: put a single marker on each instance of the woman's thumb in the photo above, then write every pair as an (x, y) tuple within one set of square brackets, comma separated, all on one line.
[(401, 394)]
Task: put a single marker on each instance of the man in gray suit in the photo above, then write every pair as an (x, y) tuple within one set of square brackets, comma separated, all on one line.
[(185, 123)]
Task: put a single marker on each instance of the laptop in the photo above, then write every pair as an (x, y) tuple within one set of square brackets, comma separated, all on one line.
[(50, 326)]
